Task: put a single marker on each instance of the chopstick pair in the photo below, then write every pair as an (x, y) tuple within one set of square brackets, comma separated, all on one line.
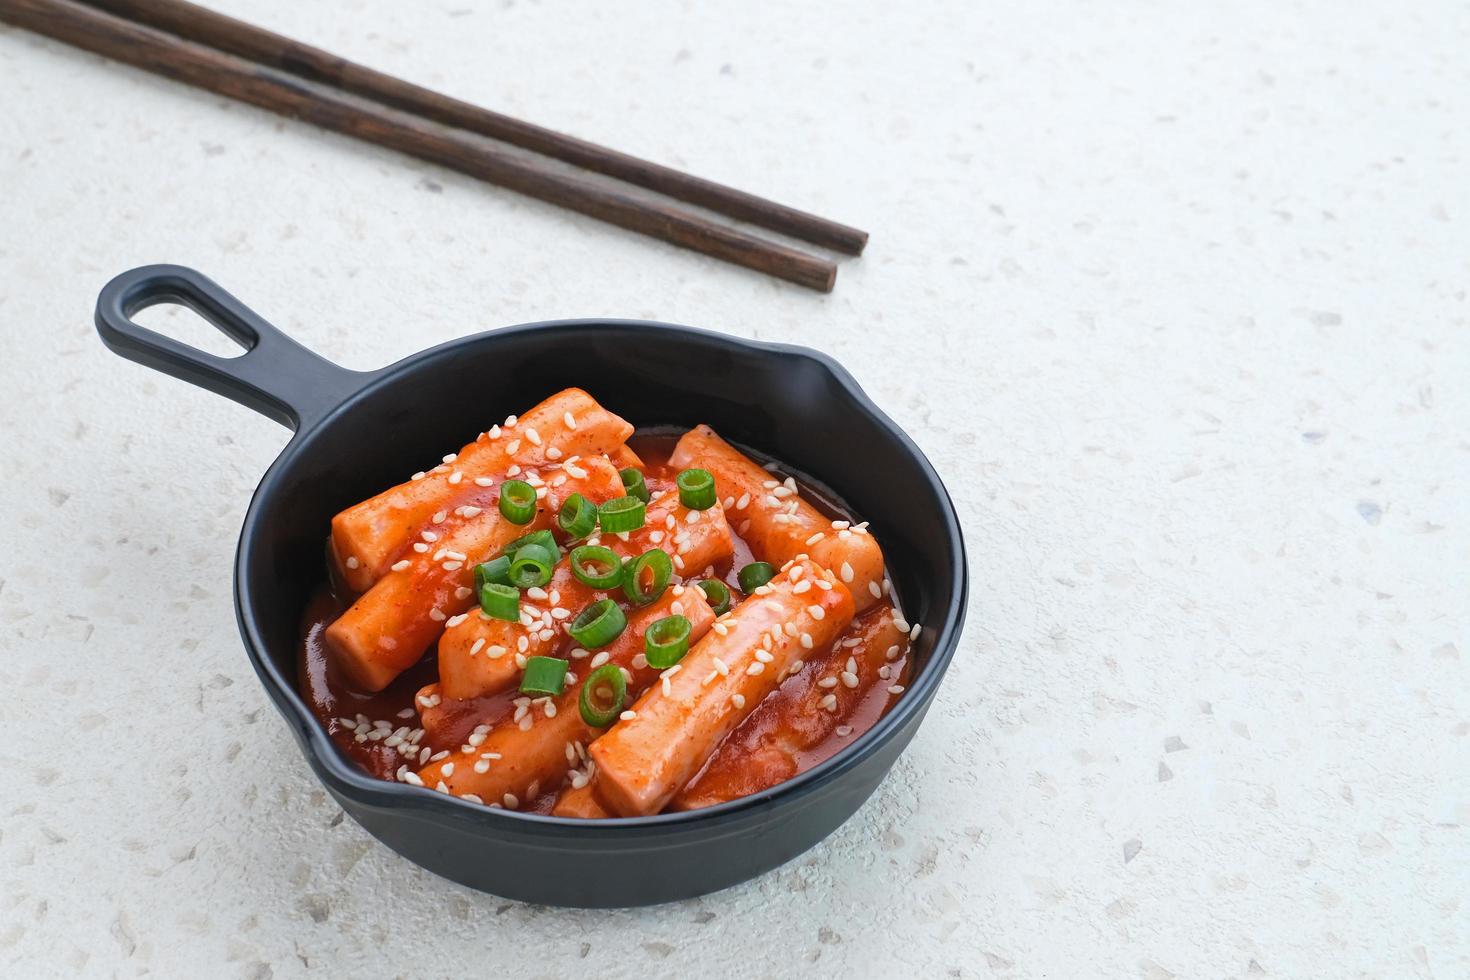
[(199, 47)]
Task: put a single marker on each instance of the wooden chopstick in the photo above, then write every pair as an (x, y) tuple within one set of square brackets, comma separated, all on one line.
[(270, 88), (199, 24)]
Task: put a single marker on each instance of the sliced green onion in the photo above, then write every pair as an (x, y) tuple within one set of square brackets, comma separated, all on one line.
[(598, 625), (517, 501), (633, 484), (544, 538), (544, 675), (496, 570), (577, 517), (599, 567), (531, 566), (501, 601), (718, 594), (648, 576), (754, 575), (611, 677), (666, 641), (621, 514), (696, 489)]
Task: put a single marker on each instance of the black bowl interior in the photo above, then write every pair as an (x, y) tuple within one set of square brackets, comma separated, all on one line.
[(791, 404)]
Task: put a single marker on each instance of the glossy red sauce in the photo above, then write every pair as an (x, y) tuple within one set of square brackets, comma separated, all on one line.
[(340, 707)]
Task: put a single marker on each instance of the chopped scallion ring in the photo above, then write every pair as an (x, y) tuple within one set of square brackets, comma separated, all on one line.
[(633, 484), (666, 641), (598, 625), (501, 601), (544, 538), (517, 501), (607, 685), (648, 576), (531, 566), (577, 517), (544, 675), (696, 489), (754, 575), (596, 566), (496, 570), (621, 514), (718, 594)]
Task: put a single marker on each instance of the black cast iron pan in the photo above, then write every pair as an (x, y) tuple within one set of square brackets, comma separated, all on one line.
[(358, 432)]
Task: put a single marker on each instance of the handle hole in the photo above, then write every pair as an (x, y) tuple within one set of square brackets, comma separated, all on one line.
[(179, 322)]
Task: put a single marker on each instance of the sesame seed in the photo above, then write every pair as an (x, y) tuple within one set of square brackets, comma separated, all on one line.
[(468, 511), (849, 679), (352, 561), (902, 625), (721, 629), (495, 652), (448, 769), (494, 432), (896, 689), (452, 566), (627, 716), (829, 702), (510, 801), (456, 476), (721, 667), (640, 661), (568, 421), (806, 641), (514, 470), (420, 547), (521, 660), (763, 657), (743, 502), (412, 778), (553, 453), (843, 731), (817, 612), (482, 481), (801, 587), (463, 592), (436, 614), (416, 477), (846, 572), (816, 537), (599, 660), (513, 446), (827, 683), (738, 700), (914, 633), (454, 621), (851, 665), (533, 436), (482, 766), (438, 518), (755, 668), (875, 590)]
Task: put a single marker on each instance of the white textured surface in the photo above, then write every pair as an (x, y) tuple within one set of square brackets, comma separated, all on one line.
[(1174, 298)]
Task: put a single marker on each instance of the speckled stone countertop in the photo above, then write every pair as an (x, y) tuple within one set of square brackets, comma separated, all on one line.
[(1175, 299)]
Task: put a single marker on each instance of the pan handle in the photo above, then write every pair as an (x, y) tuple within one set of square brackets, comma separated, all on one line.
[(275, 376)]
